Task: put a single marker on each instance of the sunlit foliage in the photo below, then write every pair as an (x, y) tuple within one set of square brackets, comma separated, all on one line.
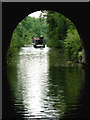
[(57, 30)]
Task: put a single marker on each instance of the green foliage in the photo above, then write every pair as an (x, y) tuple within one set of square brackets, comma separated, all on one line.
[(73, 44), (24, 33), (63, 34), (57, 29)]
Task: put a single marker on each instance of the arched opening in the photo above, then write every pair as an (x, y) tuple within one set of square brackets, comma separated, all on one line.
[(62, 34), (42, 75), (66, 15)]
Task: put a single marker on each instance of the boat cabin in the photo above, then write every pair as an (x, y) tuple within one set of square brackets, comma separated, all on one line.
[(38, 42)]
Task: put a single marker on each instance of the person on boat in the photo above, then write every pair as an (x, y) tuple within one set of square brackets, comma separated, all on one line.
[(33, 40), (41, 37)]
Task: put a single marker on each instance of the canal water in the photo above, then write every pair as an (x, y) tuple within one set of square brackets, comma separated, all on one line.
[(42, 84)]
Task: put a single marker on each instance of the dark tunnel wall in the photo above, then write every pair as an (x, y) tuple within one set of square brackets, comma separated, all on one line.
[(13, 13)]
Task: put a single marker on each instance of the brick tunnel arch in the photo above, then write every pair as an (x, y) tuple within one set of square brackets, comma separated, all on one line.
[(13, 13)]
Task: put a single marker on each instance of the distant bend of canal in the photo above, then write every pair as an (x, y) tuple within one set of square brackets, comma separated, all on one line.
[(42, 85)]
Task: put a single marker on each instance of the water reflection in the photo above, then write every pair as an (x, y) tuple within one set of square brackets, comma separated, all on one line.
[(33, 78), (43, 86)]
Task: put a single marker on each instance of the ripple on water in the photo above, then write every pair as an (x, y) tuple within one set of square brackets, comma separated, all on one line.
[(40, 89)]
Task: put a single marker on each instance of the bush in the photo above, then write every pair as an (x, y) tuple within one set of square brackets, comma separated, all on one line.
[(73, 44)]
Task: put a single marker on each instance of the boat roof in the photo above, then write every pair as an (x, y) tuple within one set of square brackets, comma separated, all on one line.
[(37, 39)]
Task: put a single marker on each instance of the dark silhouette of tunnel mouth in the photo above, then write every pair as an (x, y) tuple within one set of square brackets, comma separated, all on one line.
[(65, 9), (79, 32), (73, 11)]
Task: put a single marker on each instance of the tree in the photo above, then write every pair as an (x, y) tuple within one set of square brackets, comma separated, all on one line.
[(57, 29), (73, 44), (24, 33)]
